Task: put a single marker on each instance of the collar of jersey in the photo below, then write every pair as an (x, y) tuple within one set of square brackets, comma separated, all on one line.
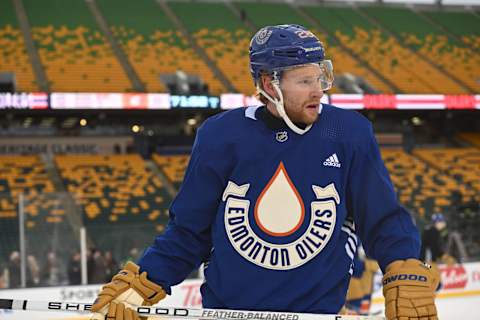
[(273, 122)]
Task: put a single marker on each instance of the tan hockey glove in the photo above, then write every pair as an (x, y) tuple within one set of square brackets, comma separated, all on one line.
[(127, 288), (409, 289)]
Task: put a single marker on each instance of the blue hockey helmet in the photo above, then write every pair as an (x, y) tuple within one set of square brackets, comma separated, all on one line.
[(274, 48), (438, 217)]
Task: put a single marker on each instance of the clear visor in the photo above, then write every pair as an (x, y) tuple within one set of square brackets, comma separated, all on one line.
[(317, 75), (326, 78)]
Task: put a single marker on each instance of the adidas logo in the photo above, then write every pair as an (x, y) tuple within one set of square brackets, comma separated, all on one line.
[(332, 161)]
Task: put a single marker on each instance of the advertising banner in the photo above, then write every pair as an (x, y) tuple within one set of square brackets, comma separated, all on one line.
[(34, 100), (63, 145), (165, 101), (110, 101)]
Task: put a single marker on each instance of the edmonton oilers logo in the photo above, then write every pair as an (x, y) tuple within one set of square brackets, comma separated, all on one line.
[(263, 35), (279, 212)]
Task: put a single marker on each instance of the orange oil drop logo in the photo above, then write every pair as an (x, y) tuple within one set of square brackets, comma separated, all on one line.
[(279, 210)]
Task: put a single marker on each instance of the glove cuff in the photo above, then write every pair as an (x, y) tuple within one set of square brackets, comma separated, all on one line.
[(150, 291)]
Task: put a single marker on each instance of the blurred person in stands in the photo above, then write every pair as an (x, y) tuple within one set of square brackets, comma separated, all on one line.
[(13, 267), (133, 256), (433, 239), (33, 271), (53, 272), (111, 266), (271, 197), (99, 268), (439, 243), (3, 277), (90, 264), (74, 269)]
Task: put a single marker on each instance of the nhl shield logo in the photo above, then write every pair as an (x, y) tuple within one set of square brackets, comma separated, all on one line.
[(281, 136)]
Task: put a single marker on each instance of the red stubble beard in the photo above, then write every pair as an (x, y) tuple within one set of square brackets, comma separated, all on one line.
[(307, 114)]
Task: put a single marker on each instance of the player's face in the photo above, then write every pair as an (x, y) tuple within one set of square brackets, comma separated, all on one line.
[(301, 93)]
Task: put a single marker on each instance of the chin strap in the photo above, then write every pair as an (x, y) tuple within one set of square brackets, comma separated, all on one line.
[(279, 105)]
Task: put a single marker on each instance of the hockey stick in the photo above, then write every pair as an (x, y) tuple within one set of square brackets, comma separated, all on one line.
[(185, 313)]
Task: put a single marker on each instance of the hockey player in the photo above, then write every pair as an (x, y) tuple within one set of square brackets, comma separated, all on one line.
[(272, 195), (360, 289)]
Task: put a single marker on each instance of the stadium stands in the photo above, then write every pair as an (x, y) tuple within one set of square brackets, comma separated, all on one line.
[(461, 164), (117, 194), (153, 44), (279, 13), (74, 53), (462, 24), (77, 57), (471, 137), (421, 187), (115, 188), (26, 176), (383, 52), (173, 167), (431, 41), (109, 192), (13, 55), (221, 34)]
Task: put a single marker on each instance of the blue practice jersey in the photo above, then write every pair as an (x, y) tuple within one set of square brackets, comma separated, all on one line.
[(274, 215)]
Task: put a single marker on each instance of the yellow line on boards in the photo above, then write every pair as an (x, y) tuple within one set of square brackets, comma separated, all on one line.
[(442, 295), (459, 294)]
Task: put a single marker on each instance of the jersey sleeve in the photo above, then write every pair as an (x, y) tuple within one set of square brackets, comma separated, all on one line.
[(386, 228), (186, 242)]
